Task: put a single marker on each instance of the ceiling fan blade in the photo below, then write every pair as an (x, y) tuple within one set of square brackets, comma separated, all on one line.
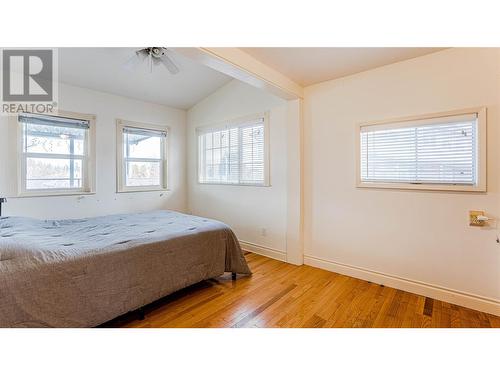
[(132, 63), (137, 58), (142, 53), (169, 64)]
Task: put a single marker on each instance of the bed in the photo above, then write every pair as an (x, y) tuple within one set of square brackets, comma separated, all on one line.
[(82, 273)]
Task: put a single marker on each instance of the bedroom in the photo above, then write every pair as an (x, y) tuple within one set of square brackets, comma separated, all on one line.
[(250, 187)]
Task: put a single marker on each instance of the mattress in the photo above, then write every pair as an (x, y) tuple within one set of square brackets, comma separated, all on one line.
[(82, 273)]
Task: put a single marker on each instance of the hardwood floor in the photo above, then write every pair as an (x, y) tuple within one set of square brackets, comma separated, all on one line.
[(283, 295)]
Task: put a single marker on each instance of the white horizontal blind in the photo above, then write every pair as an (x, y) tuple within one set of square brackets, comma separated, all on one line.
[(53, 121), (252, 154), (233, 154), (432, 151)]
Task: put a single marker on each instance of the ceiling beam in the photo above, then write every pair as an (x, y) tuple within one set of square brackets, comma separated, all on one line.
[(241, 66)]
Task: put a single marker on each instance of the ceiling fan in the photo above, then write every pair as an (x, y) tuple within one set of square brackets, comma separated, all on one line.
[(154, 56)]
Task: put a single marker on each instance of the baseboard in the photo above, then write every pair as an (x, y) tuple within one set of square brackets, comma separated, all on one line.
[(456, 297), (263, 250)]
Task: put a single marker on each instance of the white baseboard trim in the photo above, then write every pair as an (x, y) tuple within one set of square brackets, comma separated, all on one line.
[(263, 250), (456, 297)]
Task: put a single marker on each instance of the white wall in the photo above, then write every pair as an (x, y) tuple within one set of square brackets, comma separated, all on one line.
[(107, 108), (423, 236), (246, 209)]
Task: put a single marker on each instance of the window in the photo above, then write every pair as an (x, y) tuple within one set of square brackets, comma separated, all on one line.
[(55, 154), (440, 152), (235, 153), (142, 157)]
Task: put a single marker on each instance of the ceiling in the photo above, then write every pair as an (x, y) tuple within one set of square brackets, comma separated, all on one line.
[(102, 69), (307, 66)]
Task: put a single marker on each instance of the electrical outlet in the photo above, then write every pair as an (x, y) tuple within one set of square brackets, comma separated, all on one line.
[(473, 219)]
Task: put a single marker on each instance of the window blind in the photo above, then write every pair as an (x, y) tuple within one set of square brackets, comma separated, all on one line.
[(432, 151), (144, 132), (233, 154), (37, 119)]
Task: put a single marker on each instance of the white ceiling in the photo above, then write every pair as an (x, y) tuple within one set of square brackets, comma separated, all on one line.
[(307, 66), (102, 69)]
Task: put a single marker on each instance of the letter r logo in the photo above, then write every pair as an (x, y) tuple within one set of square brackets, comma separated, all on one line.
[(27, 75)]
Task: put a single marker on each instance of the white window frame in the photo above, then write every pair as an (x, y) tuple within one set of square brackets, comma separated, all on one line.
[(120, 159), (481, 154), (88, 160), (239, 122)]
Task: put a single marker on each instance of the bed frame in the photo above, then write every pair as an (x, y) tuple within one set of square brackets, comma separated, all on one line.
[(2, 200), (141, 313)]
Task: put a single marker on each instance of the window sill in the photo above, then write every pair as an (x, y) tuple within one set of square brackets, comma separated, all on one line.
[(426, 187), (229, 184), (142, 190), (58, 193)]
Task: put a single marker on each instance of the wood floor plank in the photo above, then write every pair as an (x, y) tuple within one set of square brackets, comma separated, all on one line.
[(314, 322), (387, 296), (279, 294), (494, 321), (257, 311), (428, 307)]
